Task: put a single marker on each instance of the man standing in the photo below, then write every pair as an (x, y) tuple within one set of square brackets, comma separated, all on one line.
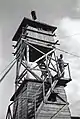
[(61, 65)]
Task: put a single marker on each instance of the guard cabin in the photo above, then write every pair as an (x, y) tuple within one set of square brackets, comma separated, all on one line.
[(39, 85)]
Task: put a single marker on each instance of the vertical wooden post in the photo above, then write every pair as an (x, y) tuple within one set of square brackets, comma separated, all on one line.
[(35, 106), (43, 89), (17, 108), (49, 74), (69, 72), (17, 65), (16, 81), (56, 59), (27, 108)]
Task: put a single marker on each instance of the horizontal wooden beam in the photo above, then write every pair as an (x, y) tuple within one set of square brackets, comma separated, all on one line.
[(57, 103), (45, 41), (39, 32)]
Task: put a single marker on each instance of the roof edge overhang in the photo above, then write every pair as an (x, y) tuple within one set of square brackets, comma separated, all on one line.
[(34, 24)]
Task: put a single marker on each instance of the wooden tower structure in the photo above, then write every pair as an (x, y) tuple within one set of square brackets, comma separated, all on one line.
[(39, 84)]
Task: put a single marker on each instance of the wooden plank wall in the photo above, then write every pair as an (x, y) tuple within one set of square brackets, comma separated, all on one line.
[(48, 110), (21, 112), (31, 89)]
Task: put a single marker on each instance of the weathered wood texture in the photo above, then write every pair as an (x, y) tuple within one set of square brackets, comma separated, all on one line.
[(49, 110), (21, 108), (30, 95), (26, 104)]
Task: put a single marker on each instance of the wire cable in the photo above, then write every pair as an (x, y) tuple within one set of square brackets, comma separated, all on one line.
[(67, 52), (7, 66), (7, 71), (55, 48), (11, 64), (70, 35)]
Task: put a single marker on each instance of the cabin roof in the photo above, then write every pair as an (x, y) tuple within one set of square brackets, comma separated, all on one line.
[(34, 24)]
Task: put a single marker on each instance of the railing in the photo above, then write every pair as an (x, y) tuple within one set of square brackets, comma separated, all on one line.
[(69, 71), (46, 56), (66, 71), (9, 113)]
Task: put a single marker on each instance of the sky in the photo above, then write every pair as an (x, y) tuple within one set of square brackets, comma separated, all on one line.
[(65, 14)]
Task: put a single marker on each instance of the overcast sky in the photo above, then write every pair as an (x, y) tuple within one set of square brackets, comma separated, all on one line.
[(65, 14)]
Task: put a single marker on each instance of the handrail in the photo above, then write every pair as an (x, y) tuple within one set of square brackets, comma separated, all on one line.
[(34, 96), (69, 71)]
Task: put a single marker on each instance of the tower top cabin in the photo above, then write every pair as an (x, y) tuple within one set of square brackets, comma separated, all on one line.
[(40, 35)]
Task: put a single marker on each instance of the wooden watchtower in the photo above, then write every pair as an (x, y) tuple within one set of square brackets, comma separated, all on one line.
[(39, 85)]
